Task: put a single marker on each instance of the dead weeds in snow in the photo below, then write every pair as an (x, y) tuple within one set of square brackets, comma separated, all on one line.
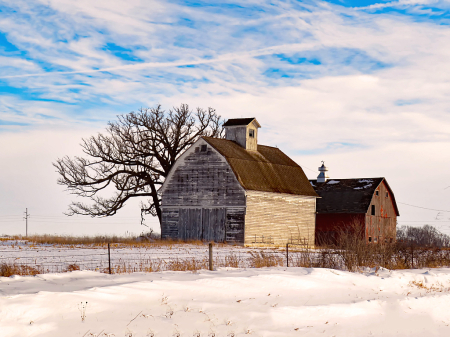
[(189, 264), (432, 288), (7, 270), (102, 241), (264, 259)]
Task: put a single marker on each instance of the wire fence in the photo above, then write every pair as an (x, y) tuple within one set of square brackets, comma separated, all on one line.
[(122, 260)]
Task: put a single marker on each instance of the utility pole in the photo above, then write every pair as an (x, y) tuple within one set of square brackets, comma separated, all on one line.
[(26, 221)]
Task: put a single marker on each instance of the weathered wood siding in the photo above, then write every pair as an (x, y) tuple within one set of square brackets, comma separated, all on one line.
[(202, 199), (241, 135), (252, 142), (382, 226), (235, 225), (202, 224), (276, 218)]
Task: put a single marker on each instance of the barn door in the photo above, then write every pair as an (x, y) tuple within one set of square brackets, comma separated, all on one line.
[(190, 224), (206, 224), (213, 223)]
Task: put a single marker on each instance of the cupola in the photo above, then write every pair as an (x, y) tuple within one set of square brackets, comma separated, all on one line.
[(323, 176), (243, 131)]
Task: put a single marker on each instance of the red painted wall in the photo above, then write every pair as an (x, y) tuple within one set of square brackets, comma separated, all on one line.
[(329, 225)]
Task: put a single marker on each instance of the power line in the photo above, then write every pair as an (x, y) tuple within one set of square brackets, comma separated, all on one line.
[(424, 221), (303, 166), (72, 217), (430, 209), (75, 217)]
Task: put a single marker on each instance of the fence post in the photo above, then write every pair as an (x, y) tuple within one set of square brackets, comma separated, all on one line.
[(211, 256), (109, 258), (287, 254)]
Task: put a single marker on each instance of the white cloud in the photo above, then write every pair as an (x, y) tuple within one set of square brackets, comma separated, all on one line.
[(377, 104)]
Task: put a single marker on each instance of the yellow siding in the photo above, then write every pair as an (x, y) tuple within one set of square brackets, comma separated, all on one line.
[(277, 219)]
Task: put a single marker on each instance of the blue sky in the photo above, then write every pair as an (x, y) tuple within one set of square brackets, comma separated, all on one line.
[(347, 82)]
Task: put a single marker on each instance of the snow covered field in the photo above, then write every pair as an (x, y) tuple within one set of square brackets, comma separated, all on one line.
[(228, 302), (57, 258)]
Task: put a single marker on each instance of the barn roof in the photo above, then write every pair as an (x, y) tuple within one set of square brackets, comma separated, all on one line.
[(267, 170), (239, 121), (348, 195)]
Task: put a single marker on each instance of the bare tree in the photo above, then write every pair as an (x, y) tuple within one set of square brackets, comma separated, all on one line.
[(133, 158), (425, 236)]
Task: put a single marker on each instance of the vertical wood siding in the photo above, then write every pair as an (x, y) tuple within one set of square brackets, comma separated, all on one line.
[(202, 200), (241, 135), (382, 225), (237, 134), (169, 223), (235, 224), (275, 218), (251, 142)]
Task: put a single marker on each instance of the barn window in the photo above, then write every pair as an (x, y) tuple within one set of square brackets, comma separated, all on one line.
[(373, 210), (376, 192), (203, 148), (251, 133), (370, 239), (387, 195), (375, 239)]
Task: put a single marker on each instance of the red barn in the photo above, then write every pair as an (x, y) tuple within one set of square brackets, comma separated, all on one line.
[(365, 204)]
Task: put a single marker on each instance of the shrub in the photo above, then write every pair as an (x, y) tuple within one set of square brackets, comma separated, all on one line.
[(426, 236)]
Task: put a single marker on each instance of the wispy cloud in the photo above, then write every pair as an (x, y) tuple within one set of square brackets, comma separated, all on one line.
[(338, 79), (118, 54), (221, 58)]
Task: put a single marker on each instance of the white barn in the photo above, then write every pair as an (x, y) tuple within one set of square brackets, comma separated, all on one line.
[(235, 190)]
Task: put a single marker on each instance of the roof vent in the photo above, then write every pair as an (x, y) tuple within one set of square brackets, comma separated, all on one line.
[(323, 176)]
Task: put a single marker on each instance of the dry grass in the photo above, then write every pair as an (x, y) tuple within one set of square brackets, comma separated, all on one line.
[(157, 265), (8, 270), (265, 259), (232, 260), (309, 258), (102, 241), (189, 264), (432, 288), (145, 265), (72, 267), (349, 253)]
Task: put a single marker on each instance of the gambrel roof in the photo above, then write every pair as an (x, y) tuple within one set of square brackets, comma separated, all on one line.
[(348, 195), (266, 170)]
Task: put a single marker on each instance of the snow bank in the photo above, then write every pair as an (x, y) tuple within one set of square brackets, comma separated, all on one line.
[(228, 302)]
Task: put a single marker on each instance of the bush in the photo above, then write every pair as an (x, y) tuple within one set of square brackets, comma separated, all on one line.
[(426, 236)]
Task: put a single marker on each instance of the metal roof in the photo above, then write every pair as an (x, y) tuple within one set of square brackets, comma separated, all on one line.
[(267, 170), (348, 195), (240, 121)]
